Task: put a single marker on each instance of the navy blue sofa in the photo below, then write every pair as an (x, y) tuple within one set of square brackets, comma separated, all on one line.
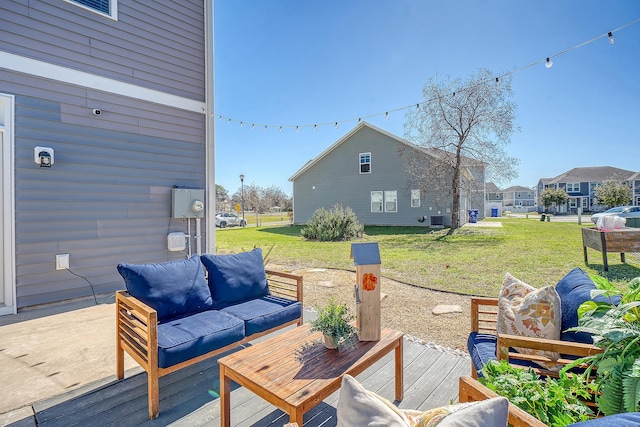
[(172, 315)]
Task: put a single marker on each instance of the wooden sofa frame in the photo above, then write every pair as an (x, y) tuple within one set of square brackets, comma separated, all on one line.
[(484, 313), (136, 333)]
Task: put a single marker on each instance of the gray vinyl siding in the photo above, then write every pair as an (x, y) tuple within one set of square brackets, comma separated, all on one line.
[(158, 44), (107, 198), (337, 180)]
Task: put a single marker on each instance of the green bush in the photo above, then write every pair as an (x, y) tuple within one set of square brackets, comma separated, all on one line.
[(333, 225)]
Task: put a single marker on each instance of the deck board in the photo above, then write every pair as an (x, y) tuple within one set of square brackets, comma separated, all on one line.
[(430, 380)]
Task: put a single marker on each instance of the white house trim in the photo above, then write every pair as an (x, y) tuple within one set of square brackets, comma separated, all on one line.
[(8, 204), (46, 70)]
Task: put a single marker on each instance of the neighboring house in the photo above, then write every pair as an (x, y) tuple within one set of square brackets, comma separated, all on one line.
[(115, 95), (581, 183), (519, 197), (366, 170), (493, 193)]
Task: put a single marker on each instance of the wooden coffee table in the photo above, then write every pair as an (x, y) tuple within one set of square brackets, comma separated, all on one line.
[(295, 372)]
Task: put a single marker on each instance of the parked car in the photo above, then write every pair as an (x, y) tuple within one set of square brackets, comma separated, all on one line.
[(225, 219), (623, 211)]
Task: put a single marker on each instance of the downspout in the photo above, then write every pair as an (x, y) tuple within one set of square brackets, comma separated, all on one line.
[(210, 154)]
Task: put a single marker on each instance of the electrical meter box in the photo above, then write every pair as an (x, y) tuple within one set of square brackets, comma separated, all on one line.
[(187, 203)]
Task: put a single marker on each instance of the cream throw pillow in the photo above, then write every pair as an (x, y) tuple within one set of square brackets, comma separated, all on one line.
[(358, 407), (526, 311)]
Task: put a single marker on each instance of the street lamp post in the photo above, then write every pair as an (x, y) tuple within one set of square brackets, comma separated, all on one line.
[(242, 193)]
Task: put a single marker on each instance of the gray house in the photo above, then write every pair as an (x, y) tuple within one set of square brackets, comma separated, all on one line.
[(519, 197), (104, 111), (366, 170), (581, 183)]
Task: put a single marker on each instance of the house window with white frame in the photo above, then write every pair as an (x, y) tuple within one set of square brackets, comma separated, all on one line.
[(585, 202), (391, 201), (573, 187), (108, 8), (365, 163), (573, 203), (376, 201), (415, 198)]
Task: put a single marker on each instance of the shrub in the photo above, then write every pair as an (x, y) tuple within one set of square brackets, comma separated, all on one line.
[(333, 225)]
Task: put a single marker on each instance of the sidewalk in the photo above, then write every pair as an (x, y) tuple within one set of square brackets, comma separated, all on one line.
[(51, 350)]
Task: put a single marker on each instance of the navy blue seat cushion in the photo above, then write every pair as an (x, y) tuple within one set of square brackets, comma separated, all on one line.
[(265, 313), (574, 289), (482, 349), (630, 419), (171, 288), (236, 278), (184, 338)]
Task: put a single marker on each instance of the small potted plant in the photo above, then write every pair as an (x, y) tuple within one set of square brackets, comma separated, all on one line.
[(333, 321)]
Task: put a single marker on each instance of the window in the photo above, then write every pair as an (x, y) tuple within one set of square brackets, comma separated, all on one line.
[(415, 198), (594, 185), (391, 201), (573, 187), (365, 162), (585, 202), (376, 201), (104, 7), (573, 203)]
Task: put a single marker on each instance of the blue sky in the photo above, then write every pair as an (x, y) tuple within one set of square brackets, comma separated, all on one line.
[(298, 63)]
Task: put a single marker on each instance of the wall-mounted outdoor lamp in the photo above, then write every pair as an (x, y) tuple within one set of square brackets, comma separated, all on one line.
[(43, 156)]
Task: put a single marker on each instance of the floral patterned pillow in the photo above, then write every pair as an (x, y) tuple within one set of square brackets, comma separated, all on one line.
[(530, 312)]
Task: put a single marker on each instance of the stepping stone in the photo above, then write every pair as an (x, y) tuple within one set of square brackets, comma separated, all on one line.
[(444, 309), (326, 284)]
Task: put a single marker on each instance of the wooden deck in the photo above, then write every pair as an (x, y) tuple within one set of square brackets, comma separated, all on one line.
[(430, 378)]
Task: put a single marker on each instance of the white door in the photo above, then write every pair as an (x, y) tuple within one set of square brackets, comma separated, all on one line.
[(7, 255)]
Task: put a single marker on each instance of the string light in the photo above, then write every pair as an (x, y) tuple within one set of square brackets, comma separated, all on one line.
[(547, 62), (241, 123)]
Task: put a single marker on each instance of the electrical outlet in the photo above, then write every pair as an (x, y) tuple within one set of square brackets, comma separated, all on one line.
[(62, 261)]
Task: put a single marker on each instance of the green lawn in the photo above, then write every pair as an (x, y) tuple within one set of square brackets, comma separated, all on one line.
[(471, 261)]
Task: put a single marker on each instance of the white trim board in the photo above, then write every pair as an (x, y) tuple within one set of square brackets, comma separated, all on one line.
[(46, 70), (8, 260)]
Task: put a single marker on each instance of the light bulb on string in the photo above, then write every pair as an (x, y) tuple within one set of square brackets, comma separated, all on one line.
[(336, 125), (229, 121), (359, 120), (297, 128), (253, 125), (241, 123), (454, 96), (315, 127), (548, 63), (418, 108), (612, 39), (280, 128), (386, 115), (265, 128), (497, 82)]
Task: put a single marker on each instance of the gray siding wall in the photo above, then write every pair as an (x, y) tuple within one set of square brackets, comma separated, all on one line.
[(157, 44), (336, 179), (107, 198)]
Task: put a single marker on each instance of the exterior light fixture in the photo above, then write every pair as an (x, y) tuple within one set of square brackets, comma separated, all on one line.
[(548, 63), (43, 156)]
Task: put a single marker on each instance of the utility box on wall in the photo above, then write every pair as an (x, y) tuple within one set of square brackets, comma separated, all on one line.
[(366, 257), (187, 203)]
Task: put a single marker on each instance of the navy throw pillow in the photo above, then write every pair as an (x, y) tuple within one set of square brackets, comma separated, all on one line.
[(574, 289), (171, 288), (237, 277)]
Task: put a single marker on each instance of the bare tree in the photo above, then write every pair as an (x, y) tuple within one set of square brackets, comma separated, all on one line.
[(462, 126)]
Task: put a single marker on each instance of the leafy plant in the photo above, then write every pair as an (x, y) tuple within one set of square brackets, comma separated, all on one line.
[(616, 330), (555, 402), (337, 224), (333, 321)]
